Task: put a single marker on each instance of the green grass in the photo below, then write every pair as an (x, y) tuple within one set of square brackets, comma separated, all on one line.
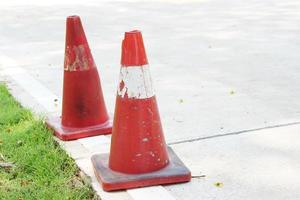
[(41, 169)]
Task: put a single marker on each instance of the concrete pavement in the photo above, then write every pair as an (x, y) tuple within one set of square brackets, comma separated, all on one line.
[(219, 68)]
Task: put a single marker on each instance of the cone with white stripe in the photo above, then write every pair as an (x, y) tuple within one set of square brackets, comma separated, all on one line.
[(139, 155), (83, 111)]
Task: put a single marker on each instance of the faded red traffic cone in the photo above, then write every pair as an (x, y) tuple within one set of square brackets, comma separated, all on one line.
[(83, 111), (138, 155)]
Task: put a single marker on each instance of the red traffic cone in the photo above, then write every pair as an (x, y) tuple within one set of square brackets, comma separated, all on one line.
[(138, 155), (83, 111)]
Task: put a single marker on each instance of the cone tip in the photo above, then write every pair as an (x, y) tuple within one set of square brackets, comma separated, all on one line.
[(73, 17), (74, 34), (133, 50), (133, 32), (77, 52)]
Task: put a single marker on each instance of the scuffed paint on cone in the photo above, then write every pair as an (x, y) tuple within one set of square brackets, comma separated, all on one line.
[(84, 112), (139, 155), (135, 82)]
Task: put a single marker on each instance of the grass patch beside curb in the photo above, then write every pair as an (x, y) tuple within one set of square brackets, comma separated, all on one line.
[(32, 165)]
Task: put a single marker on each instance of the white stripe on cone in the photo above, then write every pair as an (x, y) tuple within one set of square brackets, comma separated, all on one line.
[(135, 82)]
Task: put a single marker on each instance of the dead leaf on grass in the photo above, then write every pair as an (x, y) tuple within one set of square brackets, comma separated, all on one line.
[(6, 165)]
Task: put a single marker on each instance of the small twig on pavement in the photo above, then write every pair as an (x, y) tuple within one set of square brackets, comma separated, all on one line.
[(200, 176)]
